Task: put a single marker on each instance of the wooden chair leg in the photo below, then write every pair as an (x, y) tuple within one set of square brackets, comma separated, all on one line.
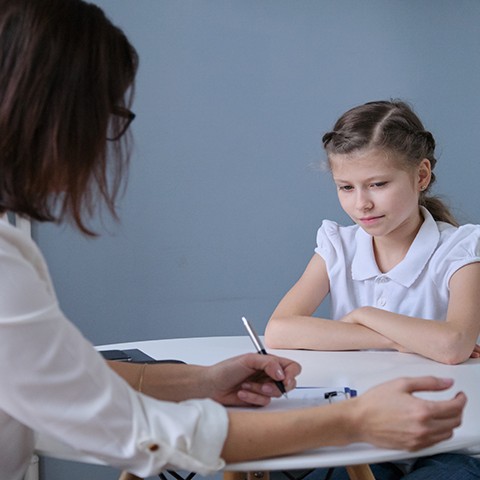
[(355, 472), (360, 472), (261, 475), (128, 476), (234, 476), (258, 475)]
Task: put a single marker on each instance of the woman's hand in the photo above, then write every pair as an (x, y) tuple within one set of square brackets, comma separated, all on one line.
[(388, 416), (249, 379), (391, 417)]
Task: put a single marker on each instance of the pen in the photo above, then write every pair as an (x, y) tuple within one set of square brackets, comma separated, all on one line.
[(261, 350)]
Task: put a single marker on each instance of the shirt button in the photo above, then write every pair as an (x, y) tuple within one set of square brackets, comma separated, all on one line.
[(381, 302)]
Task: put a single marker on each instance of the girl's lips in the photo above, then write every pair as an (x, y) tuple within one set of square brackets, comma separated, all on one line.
[(370, 220)]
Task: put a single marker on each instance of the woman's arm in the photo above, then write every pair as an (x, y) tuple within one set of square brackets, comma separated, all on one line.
[(387, 416), (243, 380), (170, 382), (451, 341), (292, 324)]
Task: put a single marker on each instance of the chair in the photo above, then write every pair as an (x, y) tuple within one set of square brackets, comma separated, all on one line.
[(128, 476), (355, 472)]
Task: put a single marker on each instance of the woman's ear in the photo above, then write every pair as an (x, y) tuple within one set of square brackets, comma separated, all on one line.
[(424, 174)]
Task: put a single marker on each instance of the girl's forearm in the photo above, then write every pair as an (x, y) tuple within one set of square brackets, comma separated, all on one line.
[(313, 333), (439, 340)]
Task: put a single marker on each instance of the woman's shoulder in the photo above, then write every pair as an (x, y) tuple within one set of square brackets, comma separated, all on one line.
[(16, 244), (22, 261)]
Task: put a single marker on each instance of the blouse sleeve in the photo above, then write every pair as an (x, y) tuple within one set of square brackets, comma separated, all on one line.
[(460, 247), (326, 236), (54, 381)]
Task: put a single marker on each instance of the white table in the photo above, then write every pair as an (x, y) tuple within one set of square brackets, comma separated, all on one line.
[(359, 370)]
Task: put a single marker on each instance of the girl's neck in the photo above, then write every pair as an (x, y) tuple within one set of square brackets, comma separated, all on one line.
[(390, 250)]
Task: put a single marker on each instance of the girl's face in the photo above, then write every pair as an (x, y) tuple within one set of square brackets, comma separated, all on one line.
[(377, 193)]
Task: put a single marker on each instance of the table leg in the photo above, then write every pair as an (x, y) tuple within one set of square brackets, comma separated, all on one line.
[(360, 472)]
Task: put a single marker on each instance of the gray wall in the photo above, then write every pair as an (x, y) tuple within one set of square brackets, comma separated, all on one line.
[(225, 194)]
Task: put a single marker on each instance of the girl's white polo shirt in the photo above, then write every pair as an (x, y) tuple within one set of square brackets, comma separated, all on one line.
[(417, 286)]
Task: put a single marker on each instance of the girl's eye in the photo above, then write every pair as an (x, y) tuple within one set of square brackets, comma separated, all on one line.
[(345, 188), (379, 184)]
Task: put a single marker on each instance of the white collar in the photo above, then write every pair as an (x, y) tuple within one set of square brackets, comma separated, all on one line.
[(408, 270)]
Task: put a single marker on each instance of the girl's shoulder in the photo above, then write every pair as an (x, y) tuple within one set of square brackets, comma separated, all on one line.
[(457, 247), (465, 236), (335, 240), (334, 231)]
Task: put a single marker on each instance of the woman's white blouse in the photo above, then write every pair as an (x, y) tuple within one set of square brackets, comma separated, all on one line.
[(418, 286), (53, 381)]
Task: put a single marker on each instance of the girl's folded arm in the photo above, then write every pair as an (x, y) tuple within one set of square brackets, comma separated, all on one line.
[(451, 341), (292, 325)]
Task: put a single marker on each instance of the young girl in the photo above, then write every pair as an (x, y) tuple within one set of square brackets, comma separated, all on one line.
[(404, 277), (405, 272)]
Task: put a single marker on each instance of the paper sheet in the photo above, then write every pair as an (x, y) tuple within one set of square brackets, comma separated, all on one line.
[(302, 397)]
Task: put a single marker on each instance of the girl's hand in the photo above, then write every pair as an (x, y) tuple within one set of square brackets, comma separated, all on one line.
[(351, 317), (400, 348), (476, 352), (360, 315)]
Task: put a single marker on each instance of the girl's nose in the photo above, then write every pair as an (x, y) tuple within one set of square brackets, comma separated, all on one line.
[(363, 201)]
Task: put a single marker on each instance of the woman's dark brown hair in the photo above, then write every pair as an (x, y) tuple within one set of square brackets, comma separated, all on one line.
[(392, 126), (64, 71)]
